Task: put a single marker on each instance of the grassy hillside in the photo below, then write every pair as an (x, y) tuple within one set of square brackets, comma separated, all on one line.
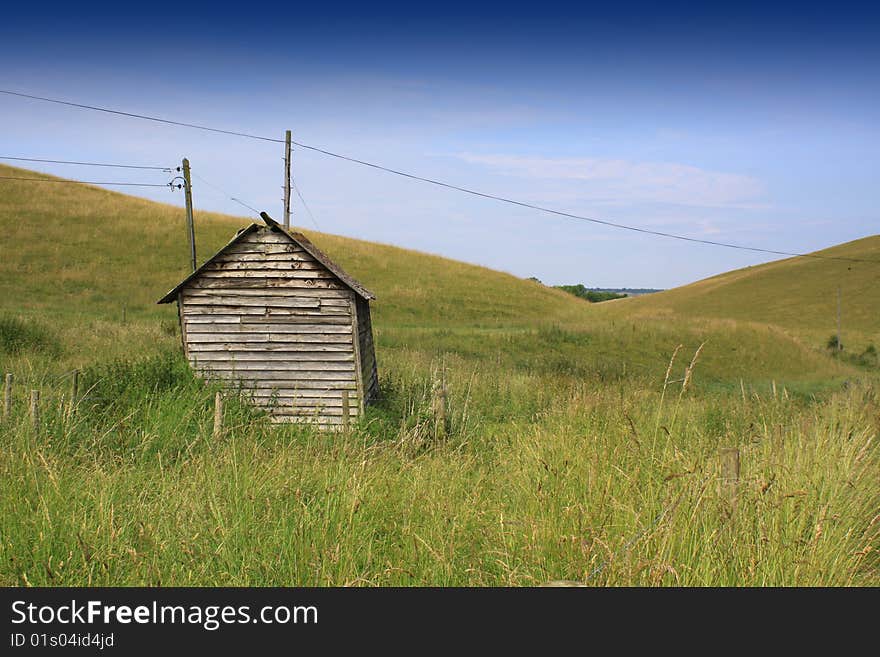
[(796, 294), (83, 248), (581, 443), (83, 258), (75, 254)]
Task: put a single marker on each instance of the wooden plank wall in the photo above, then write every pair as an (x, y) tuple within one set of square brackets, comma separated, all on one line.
[(266, 316), (368, 351)]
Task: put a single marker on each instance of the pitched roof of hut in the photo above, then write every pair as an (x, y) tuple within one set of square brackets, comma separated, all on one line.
[(297, 238)]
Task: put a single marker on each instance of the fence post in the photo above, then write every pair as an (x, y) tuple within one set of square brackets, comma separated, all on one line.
[(35, 409), (74, 391), (7, 396), (439, 410), (218, 415), (730, 476), (346, 419)]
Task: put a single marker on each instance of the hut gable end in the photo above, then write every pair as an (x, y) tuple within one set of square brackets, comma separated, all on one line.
[(268, 316)]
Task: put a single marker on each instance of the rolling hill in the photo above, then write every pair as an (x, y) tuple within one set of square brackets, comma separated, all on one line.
[(91, 263), (72, 247), (795, 294)]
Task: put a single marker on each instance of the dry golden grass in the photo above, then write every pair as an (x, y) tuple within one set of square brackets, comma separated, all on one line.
[(796, 294)]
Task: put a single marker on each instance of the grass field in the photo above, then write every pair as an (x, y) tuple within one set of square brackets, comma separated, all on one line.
[(575, 449), (797, 294)]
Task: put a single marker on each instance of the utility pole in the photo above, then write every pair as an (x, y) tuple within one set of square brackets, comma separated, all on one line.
[(187, 192), (287, 180), (839, 343)]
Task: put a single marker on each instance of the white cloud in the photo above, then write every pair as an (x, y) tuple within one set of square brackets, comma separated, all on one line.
[(616, 181)]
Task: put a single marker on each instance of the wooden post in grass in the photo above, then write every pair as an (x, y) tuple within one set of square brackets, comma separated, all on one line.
[(439, 410), (730, 476), (346, 418), (35, 409), (74, 391), (218, 415), (7, 396)]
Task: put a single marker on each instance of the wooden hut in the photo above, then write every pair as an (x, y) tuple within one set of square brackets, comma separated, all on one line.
[(275, 317)]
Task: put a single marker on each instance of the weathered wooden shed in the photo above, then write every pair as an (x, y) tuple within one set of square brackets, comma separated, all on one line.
[(275, 317)]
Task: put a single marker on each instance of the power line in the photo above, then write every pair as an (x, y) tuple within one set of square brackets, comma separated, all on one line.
[(138, 116), (440, 183), (569, 215), (87, 182), (305, 205), (90, 164), (225, 193)]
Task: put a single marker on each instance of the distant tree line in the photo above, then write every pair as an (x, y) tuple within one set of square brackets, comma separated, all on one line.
[(596, 294), (628, 291), (593, 296)]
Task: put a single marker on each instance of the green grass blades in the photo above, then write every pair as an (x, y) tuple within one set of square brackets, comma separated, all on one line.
[(538, 479)]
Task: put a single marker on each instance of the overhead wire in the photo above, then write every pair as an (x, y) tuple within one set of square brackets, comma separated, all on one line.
[(139, 116), (440, 183), (88, 182), (570, 215), (305, 205), (225, 193), (90, 164)]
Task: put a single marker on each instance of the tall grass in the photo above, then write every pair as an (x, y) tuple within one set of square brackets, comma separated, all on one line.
[(19, 336), (568, 485)]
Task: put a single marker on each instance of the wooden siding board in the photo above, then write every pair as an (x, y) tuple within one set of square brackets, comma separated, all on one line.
[(255, 248), (279, 263), (275, 356), (270, 283), (296, 397), (305, 297), (269, 329), (273, 367), (235, 298), (292, 277), (266, 338), (281, 347), (271, 377)]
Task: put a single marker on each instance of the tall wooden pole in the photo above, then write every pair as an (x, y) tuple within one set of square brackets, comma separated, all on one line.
[(187, 191), (287, 180)]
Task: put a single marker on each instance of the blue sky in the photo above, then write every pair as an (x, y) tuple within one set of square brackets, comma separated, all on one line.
[(755, 125)]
